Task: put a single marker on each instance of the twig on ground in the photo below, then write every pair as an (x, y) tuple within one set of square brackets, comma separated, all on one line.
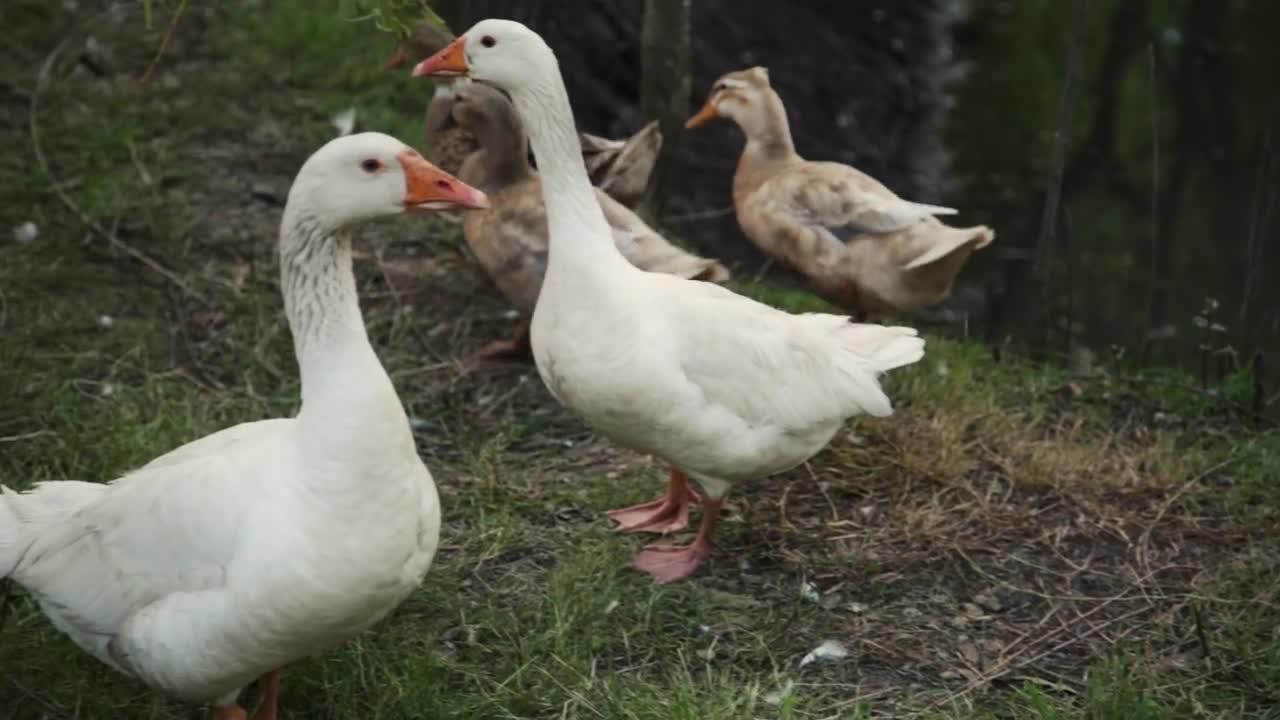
[(25, 436), (1006, 665), (33, 125), (164, 42), (1144, 541), (143, 175), (768, 263), (698, 215)]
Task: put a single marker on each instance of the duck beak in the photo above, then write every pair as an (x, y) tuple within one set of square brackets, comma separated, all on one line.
[(704, 116), (449, 62), (428, 188), (397, 60)]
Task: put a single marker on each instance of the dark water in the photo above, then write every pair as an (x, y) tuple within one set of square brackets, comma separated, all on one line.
[(1169, 196)]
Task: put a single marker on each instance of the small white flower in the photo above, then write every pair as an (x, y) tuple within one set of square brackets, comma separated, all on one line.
[(26, 232), (828, 650), (344, 121)]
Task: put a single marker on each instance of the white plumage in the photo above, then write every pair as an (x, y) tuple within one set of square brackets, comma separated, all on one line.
[(723, 387), (232, 555)]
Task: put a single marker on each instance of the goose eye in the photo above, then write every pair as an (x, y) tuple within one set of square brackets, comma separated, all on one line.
[(370, 165), (719, 86), (488, 41)]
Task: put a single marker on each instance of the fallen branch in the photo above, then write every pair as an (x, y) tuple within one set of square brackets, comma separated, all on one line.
[(164, 42), (1009, 663), (1144, 541), (33, 124), (24, 436)]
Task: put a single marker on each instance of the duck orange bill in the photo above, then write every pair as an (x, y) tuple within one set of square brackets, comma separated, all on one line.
[(451, 61), (398, 59), (428, 188), (704, 116)]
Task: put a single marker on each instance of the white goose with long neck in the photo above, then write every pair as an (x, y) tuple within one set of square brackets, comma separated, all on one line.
[(220, 561), (722, 387)]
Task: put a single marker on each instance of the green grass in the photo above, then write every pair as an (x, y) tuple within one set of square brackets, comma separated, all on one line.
[(989, 478)]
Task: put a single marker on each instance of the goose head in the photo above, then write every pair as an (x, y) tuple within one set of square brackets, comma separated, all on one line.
[(502, 53), (364, 176), (741, 96)]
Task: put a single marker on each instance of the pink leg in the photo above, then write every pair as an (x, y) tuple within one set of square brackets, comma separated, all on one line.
[(666, 514), (268, 695), (517, 348), (853, 302), (668, 563)]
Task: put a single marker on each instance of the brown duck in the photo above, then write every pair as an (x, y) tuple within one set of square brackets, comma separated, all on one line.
[(619, 167), (861, 246), (510, 238)]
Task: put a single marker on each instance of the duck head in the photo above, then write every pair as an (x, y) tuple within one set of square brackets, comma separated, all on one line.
[(740, 96)]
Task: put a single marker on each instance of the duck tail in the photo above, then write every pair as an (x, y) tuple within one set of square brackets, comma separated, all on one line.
[(709, 270), (881, 348), (23, 516), (894, 347), (14, 535), (870, 351), (684, 264), (982, 236), (948, 241)]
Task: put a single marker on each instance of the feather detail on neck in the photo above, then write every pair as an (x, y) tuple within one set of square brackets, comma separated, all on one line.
[(580, 237)]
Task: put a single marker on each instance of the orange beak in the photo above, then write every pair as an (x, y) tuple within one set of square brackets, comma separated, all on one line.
[(704, 116), (451, 61), (398, 59), (428, 188)]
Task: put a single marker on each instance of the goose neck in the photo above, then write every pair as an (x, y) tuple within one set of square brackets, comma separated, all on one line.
[(339, 371), (579, 233)]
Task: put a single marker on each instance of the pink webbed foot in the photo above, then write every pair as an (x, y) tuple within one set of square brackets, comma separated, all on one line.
[(504, 350), (669, 563), (517, 348), (669, 513), (269, 694)]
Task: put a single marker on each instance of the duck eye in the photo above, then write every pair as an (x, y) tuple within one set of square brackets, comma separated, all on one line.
[(488, 41), (719, 86), (370, 165)]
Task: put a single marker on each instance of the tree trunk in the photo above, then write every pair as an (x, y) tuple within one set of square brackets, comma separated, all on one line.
[(665, 91), (1097, 156), (453, 12), (1043, 316), (1202, 33), (462, 14)]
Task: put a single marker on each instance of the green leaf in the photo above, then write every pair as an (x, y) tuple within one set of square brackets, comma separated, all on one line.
[(397, 16)]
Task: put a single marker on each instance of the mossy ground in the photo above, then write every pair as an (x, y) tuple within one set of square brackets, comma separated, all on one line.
[(1012, 543)]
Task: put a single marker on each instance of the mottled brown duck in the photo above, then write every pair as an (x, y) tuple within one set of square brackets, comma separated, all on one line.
[(860, 245)]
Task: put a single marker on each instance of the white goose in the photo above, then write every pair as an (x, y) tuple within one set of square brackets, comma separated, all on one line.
[(225, 559), (724, 388)]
